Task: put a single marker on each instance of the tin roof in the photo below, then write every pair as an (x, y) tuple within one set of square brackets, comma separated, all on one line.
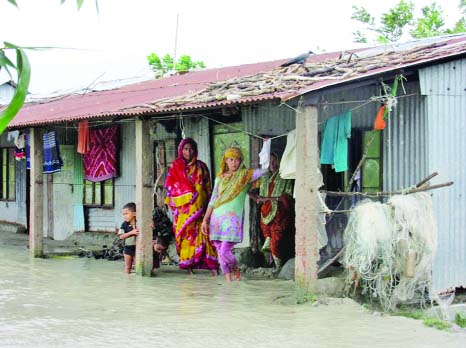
[(243, 84), (74, 107)]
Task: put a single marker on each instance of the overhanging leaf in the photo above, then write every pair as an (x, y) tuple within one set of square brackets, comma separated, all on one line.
[(13, 2), (24, 77), (79, 3), (4, 61)]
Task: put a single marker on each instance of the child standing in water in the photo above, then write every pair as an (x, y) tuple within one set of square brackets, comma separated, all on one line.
[(223, 220), (128, 233)]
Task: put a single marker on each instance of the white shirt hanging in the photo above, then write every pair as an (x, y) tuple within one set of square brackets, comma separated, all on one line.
[(264, 155)]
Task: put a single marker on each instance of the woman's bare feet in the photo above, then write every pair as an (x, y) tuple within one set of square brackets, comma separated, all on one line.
[(214, 272), (237, 274), (228, 277)]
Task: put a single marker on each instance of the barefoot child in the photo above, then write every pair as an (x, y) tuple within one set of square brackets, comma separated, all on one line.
[(223, 220), (128, 233)]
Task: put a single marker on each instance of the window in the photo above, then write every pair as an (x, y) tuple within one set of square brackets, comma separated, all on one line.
[(99, 194), (7, 174)]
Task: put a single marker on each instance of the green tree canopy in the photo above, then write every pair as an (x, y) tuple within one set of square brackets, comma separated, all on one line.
[(162, 66), (400, 20)]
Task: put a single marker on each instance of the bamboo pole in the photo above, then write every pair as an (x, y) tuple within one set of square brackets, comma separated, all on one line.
[(383, 194)]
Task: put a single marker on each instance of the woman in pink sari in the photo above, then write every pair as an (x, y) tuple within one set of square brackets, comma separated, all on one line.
[(188, 192)]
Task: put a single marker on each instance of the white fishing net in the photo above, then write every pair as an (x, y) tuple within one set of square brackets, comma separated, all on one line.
[(389, 248)]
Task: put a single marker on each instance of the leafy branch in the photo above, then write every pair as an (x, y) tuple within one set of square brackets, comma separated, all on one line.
[(398, 19), (167, 64), (23, 73)]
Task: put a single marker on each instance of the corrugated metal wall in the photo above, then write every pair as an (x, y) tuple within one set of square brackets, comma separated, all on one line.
[(405, 142), (268, 119), (337, 102), (444, 86)]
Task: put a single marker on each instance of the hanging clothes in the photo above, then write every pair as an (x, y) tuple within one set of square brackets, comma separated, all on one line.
[(12, 136), (84, 145), (379, 122), (288, 161), (52, 159), (264, 155), (28, 150), (334, 146), (20, 147), (100, 163)]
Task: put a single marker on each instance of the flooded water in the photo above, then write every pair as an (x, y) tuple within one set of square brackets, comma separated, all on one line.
[(81, 302)]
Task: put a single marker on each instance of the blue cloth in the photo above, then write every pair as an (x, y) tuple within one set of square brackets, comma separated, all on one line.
[(334, 146), (28, 151), (52, 159)]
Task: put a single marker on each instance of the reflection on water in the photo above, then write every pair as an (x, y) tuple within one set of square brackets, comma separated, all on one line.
[(73, 302)]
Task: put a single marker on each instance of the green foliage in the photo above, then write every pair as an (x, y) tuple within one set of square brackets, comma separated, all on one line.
[(23, 69), (395, 20), (437, 323), (161, 66), (428, 321), (408, 314), (460, 319), (430, 24), (394, 23), (460, 27), (362, 15)]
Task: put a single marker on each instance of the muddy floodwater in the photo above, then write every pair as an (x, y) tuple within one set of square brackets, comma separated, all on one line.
[(82, 302)]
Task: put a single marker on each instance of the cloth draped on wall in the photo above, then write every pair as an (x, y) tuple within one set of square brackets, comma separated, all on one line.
[(334, 147), (84, 140), (100, 163), (52, 158), (188, 192), (277, 217)]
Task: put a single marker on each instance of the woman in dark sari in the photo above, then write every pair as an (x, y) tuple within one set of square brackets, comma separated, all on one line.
[(277, 213)]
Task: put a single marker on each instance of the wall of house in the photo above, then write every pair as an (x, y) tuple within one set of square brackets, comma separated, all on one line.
[(403, 141), (109, 220), (125, 184), (64, 213), (444, 87), (15, 211)]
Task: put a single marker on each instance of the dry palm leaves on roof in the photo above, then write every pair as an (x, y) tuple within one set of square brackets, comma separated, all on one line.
[(288, 80)]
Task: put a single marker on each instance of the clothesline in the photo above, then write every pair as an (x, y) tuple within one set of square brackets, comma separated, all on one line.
[(94, 124)]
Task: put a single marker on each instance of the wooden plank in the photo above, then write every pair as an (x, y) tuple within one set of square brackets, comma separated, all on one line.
[(144, 198), (36, 193), (306, 201)]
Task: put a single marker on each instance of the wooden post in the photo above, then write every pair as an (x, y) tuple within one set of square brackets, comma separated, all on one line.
[(306, 201), (36, 233), (144, 198)]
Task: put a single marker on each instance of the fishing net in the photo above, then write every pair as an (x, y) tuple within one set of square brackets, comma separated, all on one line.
[(389, 249)]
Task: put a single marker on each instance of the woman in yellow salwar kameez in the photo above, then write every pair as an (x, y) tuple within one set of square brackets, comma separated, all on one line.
[(188, 192)]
